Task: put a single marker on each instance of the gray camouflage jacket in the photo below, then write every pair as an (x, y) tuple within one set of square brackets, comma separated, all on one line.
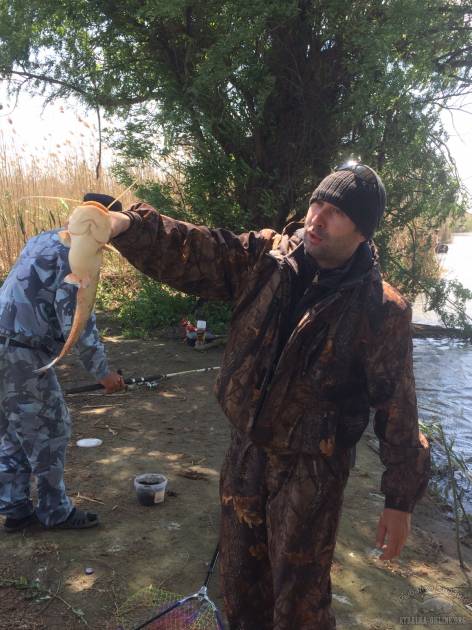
[(37, 306)]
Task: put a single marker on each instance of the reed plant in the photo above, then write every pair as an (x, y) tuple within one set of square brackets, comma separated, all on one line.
[(451, 481), (27, 182)]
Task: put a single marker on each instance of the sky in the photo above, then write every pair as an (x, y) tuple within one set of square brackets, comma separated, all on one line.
[(458, 124), (64, 127)]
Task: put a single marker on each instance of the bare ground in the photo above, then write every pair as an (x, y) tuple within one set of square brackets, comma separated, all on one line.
[(179, 430)]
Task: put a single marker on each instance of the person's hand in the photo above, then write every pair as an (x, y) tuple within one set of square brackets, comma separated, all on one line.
[(119, 223), (394, 526), (112, 382)]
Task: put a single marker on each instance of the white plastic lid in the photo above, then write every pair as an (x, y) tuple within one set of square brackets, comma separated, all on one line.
[(89, 442)]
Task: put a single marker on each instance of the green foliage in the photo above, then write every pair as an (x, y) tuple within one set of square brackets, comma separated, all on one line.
[(147, 306), (154, 306), (449, 299), (243, 105), (216, 314), (269, 92)]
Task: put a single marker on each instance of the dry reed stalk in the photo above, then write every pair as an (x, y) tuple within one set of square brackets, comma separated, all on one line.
[(54, 175)]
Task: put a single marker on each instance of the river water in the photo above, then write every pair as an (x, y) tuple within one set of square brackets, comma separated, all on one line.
[(443, 368)]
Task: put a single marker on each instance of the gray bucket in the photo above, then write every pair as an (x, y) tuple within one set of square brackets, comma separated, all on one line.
[(150, 488)]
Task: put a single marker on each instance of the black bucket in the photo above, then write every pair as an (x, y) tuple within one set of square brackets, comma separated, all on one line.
[(150, 488)]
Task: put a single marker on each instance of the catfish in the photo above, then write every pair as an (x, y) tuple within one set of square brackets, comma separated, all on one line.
[(87, 236)]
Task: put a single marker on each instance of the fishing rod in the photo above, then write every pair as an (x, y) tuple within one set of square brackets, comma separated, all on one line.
[(147, 381)]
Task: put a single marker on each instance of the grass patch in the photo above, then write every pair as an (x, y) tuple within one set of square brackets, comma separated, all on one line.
[(143, 306)]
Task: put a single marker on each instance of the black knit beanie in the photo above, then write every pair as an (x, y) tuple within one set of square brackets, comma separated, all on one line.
[(362, 201), (106, 200)]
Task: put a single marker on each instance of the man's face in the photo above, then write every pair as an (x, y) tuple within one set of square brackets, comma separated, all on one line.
[(331, 237)]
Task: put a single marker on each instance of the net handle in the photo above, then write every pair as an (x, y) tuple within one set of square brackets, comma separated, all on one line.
[(162, 613), (212, 565)]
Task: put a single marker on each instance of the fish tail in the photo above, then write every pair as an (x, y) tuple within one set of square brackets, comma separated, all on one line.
[(78, 324), (43, 369)]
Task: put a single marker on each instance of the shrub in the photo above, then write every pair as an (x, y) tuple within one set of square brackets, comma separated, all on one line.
[(142, 305)]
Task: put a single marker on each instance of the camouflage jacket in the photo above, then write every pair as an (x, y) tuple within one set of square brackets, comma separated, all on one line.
[(349, 351), (37, 306)]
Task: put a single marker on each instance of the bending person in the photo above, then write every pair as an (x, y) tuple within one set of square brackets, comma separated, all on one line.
[(36, 313)]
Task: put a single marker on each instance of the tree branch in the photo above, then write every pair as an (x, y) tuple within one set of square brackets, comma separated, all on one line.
[(94, 99)]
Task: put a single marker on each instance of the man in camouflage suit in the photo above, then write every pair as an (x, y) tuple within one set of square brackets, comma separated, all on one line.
[(36, 313), (316, 340)]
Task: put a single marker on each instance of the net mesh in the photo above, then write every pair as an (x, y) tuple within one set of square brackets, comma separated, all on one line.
[(194, 614)]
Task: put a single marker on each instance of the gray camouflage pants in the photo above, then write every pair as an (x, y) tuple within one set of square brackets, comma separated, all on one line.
[(34, 431)]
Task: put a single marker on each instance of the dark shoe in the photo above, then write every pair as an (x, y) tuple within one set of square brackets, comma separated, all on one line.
[(78, 519), (12, 525)]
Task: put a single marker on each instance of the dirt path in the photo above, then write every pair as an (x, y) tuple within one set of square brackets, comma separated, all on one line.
[(180, 431)]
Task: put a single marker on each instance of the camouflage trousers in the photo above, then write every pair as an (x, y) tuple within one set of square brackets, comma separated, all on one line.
[(280, 515), (34, 431)]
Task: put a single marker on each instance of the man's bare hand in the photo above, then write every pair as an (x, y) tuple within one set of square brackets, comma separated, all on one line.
[(112, 382), (394, 527), (119, 223)]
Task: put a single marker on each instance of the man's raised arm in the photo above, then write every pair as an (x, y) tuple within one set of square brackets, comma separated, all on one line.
[(211, 263)]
